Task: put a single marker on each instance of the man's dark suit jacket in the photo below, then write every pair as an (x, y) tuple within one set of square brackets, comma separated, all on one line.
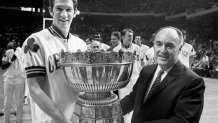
[(178, 99)]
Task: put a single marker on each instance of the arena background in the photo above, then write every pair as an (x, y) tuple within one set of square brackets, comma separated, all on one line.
[(20, 18)]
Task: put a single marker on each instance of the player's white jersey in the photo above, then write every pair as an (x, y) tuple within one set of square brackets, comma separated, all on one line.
[(8, 75), (104, 47), (20, 57), (15, 69), (187, 50), (150, 58), (8, 55), (137, 64), (42, 49), (143, 50)]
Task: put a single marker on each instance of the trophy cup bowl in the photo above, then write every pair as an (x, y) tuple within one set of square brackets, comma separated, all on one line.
[(97, 74)]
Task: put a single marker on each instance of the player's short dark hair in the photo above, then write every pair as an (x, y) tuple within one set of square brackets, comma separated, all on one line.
[(117, 34), (123, 32), (75, 4), (139, 36), (97, 33)]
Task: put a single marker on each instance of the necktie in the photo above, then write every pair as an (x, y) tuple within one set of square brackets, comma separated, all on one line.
[(156, 82)]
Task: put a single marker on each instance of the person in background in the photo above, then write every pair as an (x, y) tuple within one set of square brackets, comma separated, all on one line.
[(150, 58), (95, 46), (187, 52), (14, 80), (98, 37), (88, 43), (115, 40), (166, 92), (143, 49), (127, 45)]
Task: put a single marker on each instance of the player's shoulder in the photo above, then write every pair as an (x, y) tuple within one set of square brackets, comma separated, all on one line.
[(38, 35), (76, 39), (9, 51), (135, 46), (18, 50), (145, 46), (187, 45), (43, 34), (117, 48), (76, 43), (105, 45), (150, 50)]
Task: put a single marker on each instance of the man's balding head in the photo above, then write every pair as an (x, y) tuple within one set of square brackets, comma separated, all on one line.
[(171, 31), (167, 43)]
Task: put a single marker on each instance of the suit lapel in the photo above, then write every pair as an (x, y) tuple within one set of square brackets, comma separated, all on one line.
[(170, 77), (146, 82)]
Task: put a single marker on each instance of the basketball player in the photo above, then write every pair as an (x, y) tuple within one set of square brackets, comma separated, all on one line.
[(150, 59), (149, 56), (127, 46), (98, 37), (52, 97), (187, 52), (14, 80), (115, 39), (143, 49)]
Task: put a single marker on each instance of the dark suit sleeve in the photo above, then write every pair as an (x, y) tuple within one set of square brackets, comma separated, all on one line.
[(127, 103), (189, 104)]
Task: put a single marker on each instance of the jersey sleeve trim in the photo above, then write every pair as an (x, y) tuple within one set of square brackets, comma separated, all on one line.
[(35, 71)]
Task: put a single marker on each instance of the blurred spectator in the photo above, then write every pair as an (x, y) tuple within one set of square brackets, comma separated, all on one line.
[(14, 79), (95, 46), (143, 49), (115, 40), (127, 45), (98, 37)]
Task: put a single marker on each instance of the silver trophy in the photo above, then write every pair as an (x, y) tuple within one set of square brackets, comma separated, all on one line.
[(96, 75)]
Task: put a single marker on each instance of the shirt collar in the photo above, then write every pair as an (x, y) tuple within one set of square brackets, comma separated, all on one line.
[(130, 46), (165, 71), (56, 32)]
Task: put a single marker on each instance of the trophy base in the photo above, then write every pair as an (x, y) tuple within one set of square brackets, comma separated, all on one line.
[(104, 109)]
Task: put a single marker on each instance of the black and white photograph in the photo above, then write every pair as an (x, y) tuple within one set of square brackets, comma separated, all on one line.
[(109, 61)]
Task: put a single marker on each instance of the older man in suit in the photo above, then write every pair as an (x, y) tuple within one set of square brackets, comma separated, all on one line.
[(166, 92)]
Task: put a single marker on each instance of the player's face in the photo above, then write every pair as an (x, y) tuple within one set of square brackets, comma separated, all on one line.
[(138, 40), (114, 40), (95, 45), (88, 41), (127, 38), (166, 48), (63, 13)]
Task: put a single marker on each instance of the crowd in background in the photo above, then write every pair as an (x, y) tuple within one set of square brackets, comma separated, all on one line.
[(201, 33), (204, 63), (145, 6)]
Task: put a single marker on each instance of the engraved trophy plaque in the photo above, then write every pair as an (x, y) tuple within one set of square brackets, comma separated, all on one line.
[(97, 74)]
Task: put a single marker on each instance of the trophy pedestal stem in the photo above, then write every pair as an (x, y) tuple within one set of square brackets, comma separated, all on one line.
[(103, 107)]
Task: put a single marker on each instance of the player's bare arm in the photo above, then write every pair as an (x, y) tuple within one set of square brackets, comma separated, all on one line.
[(43, 101)]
